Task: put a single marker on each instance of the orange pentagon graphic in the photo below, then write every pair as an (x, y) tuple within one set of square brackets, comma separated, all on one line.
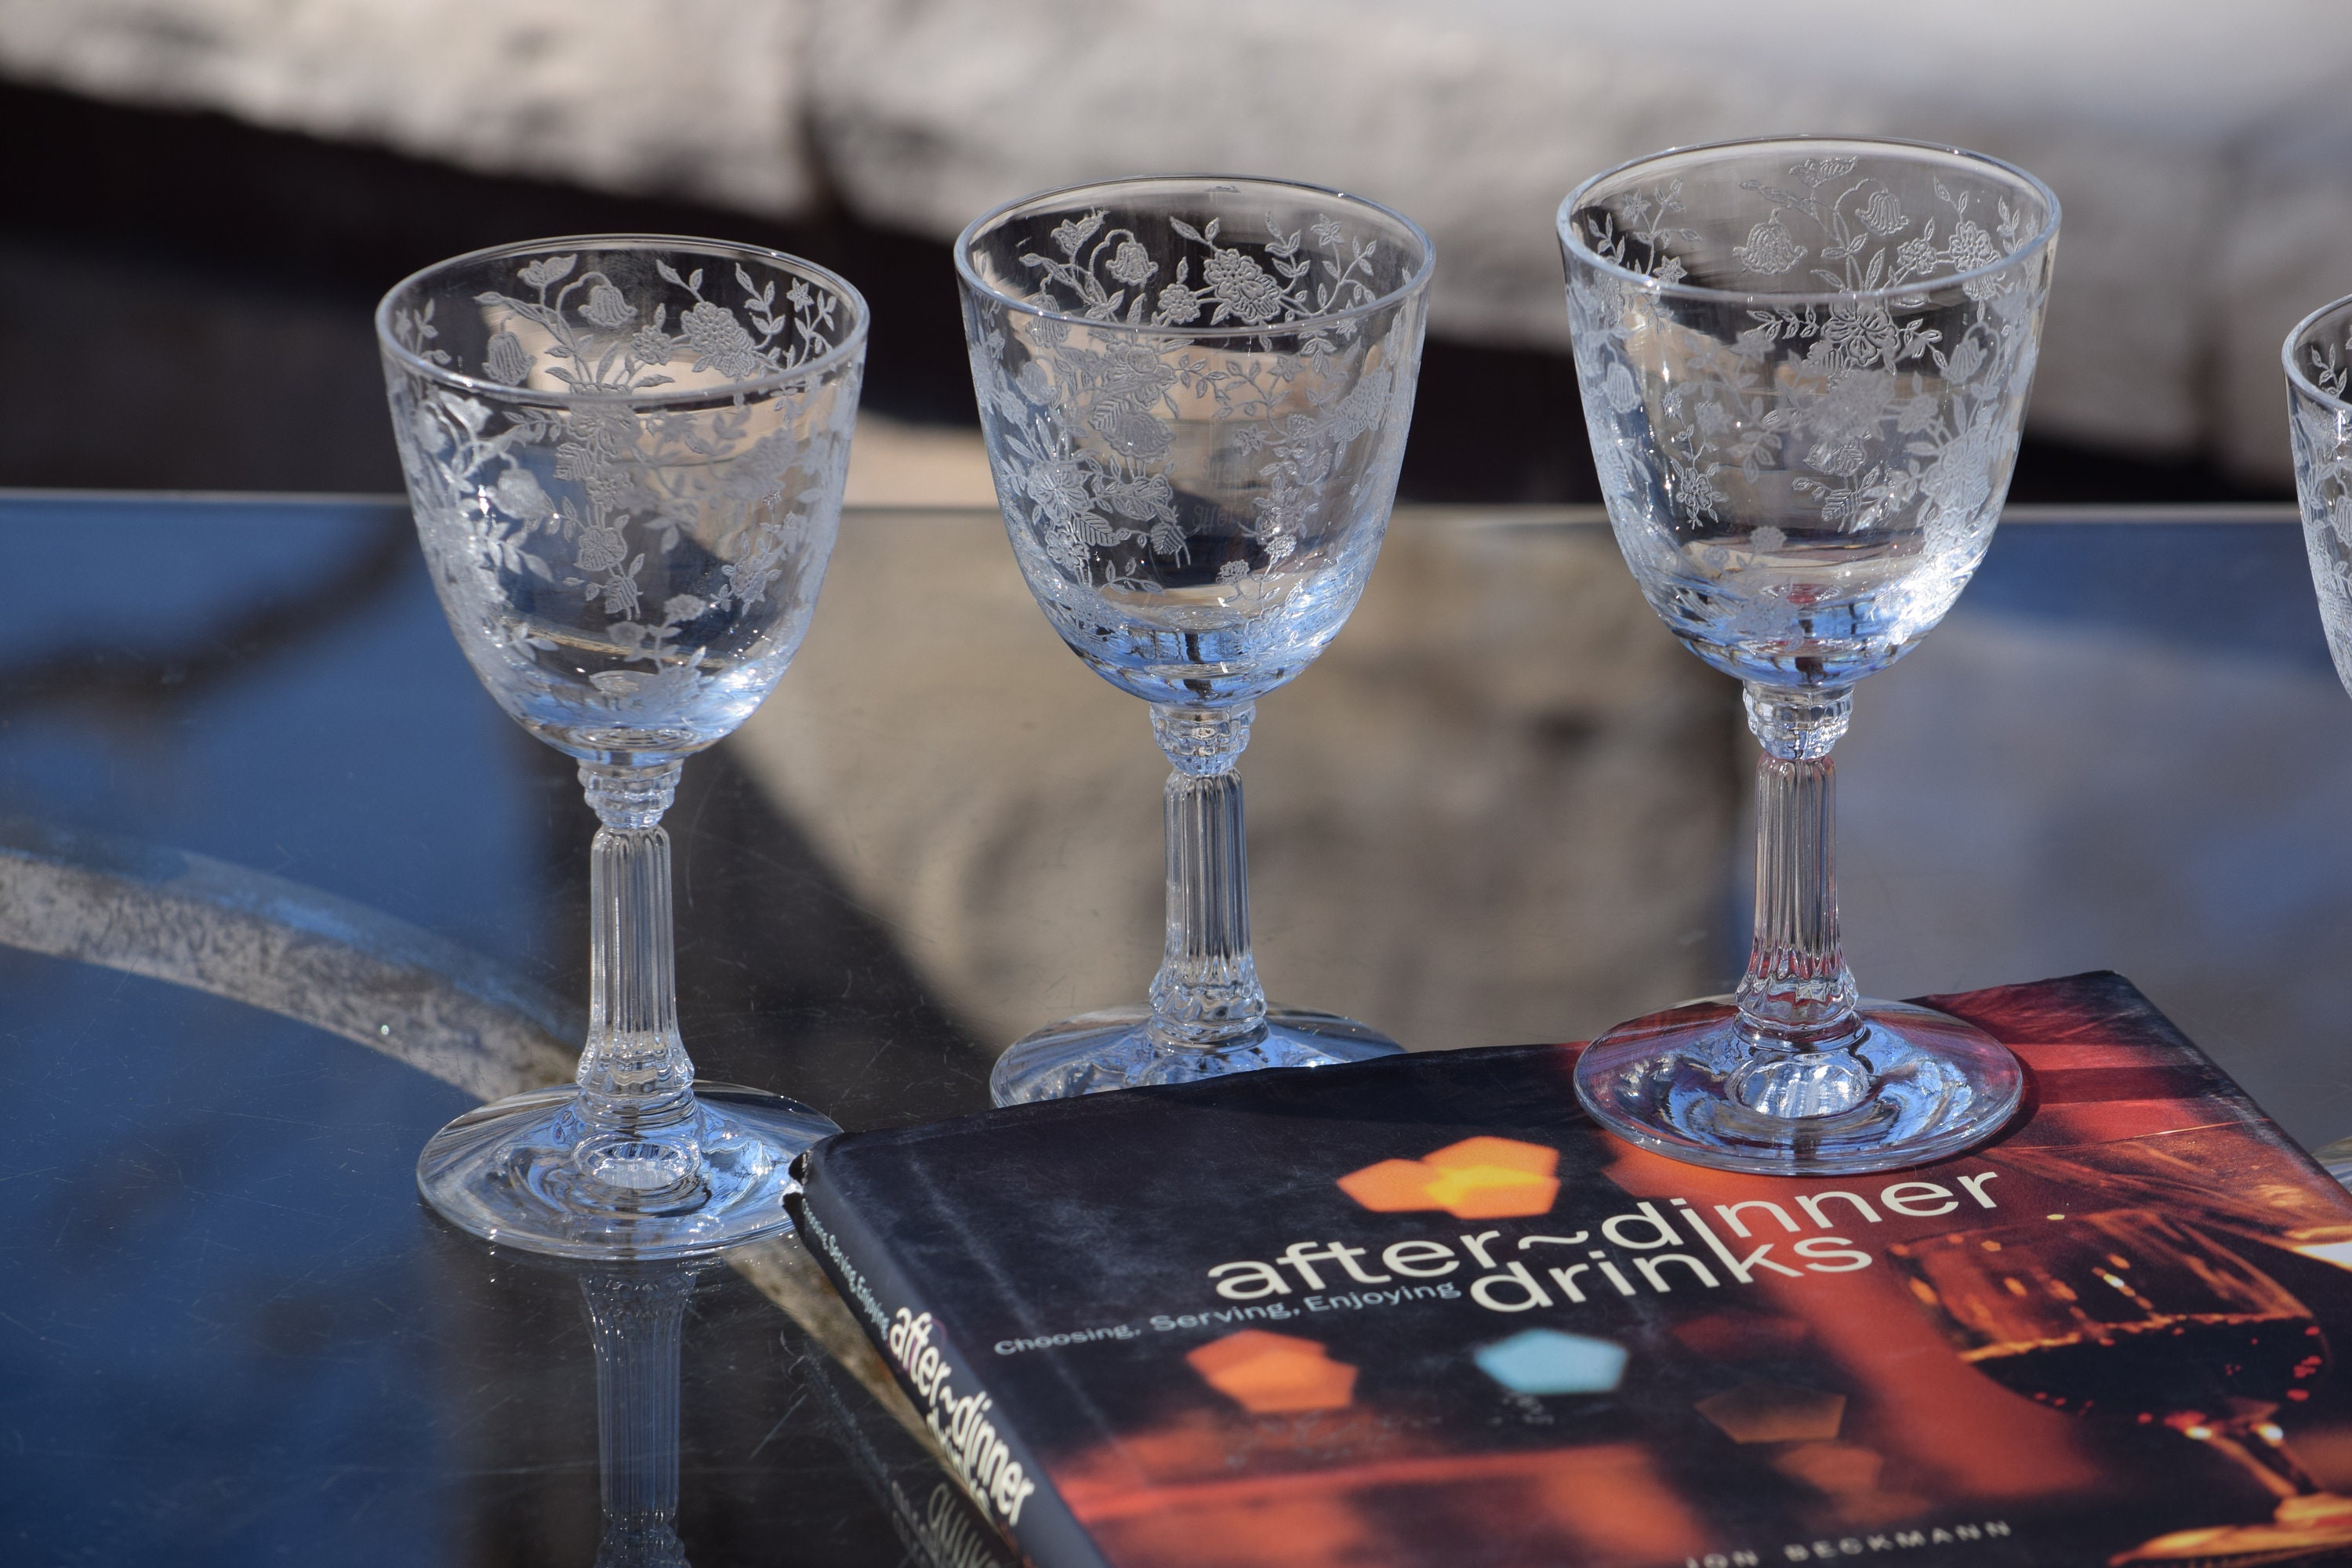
[(1268, 1373), (1478, 1178)]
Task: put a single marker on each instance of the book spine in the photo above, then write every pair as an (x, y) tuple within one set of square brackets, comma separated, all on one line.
[(974, 1439)]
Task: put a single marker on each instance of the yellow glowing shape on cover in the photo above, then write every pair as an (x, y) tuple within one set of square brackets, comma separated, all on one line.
[(1478, 1178), (1272, 1374), (1775, 1413)]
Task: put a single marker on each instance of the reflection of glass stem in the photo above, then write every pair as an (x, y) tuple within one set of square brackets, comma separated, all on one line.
[(1797, 1001), (635, 1317), (1207, 991), (636, 1082)]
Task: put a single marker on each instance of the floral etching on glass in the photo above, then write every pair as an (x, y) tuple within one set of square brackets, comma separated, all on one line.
[(1087, 422), (1870, 381), (614, 481)]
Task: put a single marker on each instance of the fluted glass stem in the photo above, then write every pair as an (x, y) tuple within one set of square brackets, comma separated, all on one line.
[(1797, 992), (635, 1319), (635, 1079), (1207, 991)]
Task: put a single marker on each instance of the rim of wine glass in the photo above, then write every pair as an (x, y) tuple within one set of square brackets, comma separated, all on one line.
[(847, 349), (1413, 285), (2295, 377), (2042, 240)]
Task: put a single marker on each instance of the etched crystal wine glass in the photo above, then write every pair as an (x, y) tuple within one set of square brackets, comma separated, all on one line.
[(626, 454), (1194, 392), (1803, 364), (2318, 357)]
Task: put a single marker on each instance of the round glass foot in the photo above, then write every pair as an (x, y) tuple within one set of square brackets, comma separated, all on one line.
[(525, 1172), (1914, 1085), (1114, 1049)]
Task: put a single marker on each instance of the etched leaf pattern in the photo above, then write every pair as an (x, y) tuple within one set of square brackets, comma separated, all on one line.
[(1087, 422), (630, 476)]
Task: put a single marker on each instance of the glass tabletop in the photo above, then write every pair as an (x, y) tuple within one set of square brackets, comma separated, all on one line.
[(281, 892)]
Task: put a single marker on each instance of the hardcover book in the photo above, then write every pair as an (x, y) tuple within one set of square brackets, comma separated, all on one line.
[(1421, 1310)]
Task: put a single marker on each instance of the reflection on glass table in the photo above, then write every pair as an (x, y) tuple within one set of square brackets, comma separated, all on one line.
[(277, 864)]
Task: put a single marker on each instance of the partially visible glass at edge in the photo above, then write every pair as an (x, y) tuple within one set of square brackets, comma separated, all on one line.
[(2318, 356)]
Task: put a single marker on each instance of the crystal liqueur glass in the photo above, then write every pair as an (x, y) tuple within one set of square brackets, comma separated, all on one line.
[(1803, 364), (625, 455), (2319, 355), (1194, 393), (2319, 367)]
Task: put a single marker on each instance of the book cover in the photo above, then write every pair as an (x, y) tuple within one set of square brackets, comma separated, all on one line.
[(1422, 1310)]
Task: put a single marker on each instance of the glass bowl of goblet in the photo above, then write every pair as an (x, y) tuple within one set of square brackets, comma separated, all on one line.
[(1803, 363), (1194, 392), (2318, 356), (626, 454)]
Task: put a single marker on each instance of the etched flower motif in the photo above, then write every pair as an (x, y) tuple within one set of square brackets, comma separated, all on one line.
[(1769, 248), (1821, 170), (601, 549), (1177, 305), (1058, 486), (719, 342), (1694, 489), (1242, 289), (519, 495), (1035, 382), (798, 295), (1851, 408), (1971, 248), (507, 361), (682, 608), (1143, 500), (1862, 332), (1960, 482), (608, 308), (1131, 263), (1618, 389), (1072, 233), (1882, 214), (1841, 456), (1917, 415), (1328, 233), (1133, 434), (1914, 256), (1135, 374), (547, 270), (1967, 359), (651, 345), (1358, 412)]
